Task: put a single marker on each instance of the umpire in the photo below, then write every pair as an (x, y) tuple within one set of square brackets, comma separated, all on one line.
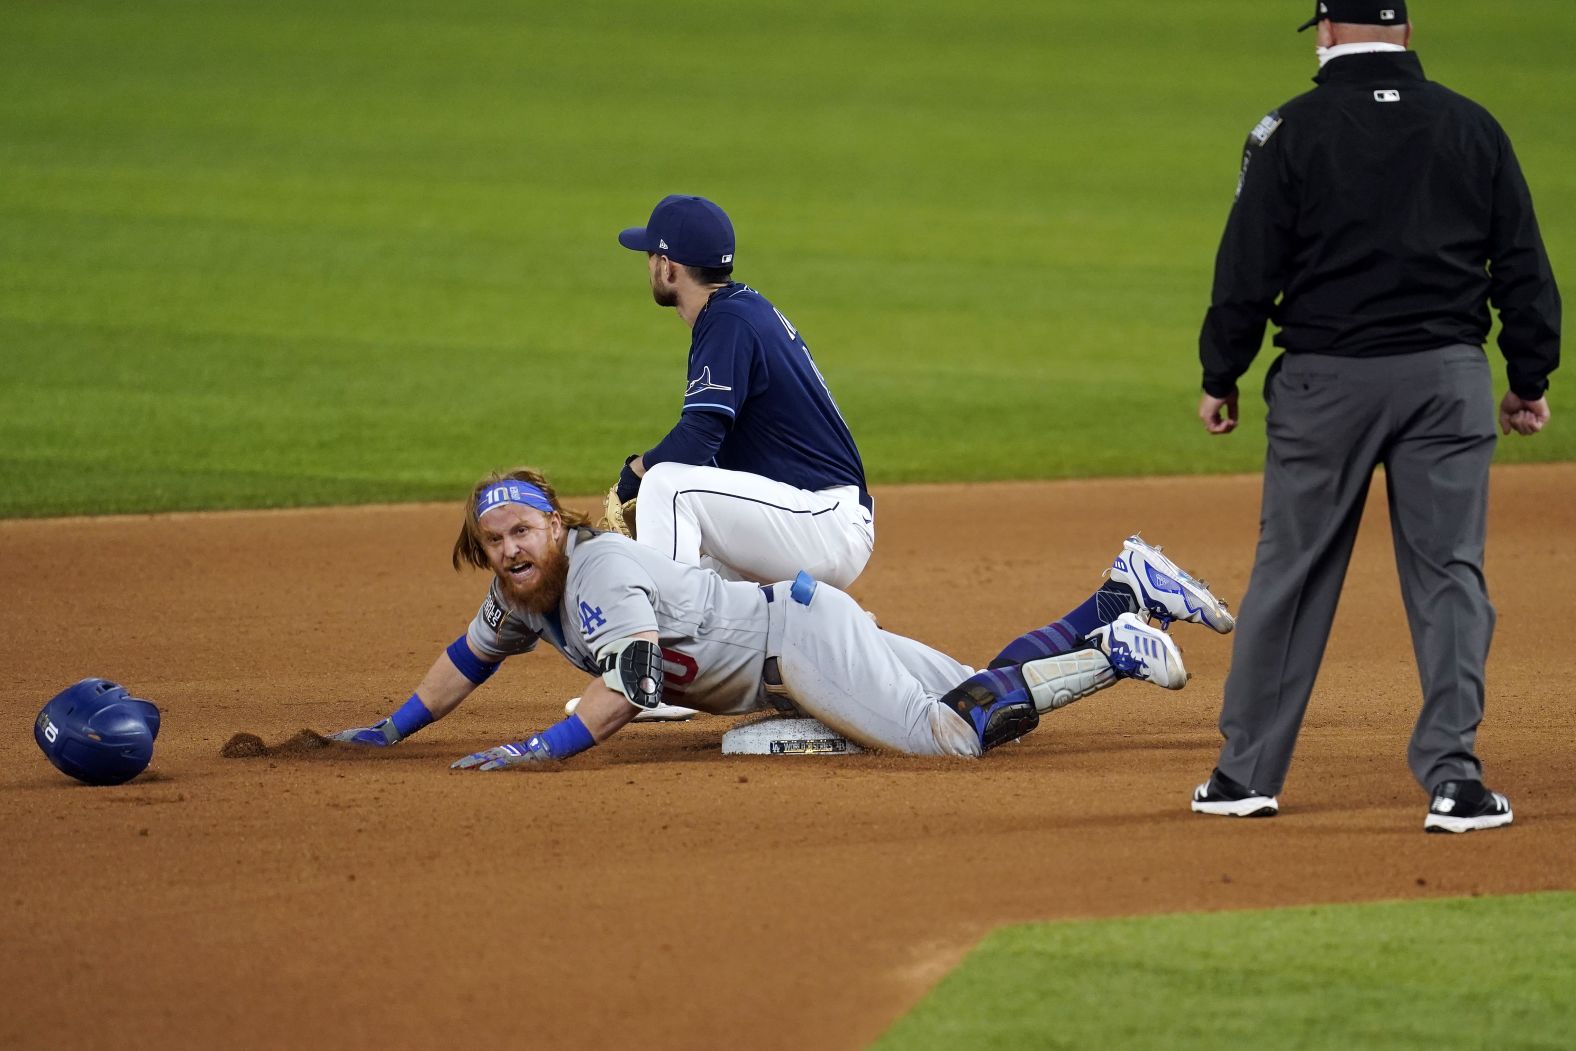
[(1377, 217)]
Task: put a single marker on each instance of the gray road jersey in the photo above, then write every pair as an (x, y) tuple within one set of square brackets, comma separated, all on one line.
[(712, 631)]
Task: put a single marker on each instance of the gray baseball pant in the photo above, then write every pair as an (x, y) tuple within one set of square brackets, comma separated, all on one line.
[(1428, 418)]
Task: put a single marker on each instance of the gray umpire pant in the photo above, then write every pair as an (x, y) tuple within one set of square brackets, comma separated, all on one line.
[(1429, 419)]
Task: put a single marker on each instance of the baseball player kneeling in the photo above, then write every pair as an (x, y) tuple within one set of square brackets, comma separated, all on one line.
[(648, 629), (760, 477)]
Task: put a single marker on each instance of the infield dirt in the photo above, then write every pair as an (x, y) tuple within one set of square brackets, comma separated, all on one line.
[(653, 893)]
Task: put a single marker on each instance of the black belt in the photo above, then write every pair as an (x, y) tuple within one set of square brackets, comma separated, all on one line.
[(770, 671)]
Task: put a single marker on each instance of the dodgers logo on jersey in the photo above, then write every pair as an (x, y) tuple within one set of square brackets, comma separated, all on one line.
[(703, 383), (590, 618)]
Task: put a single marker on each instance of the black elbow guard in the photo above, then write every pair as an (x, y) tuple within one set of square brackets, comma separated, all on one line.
[(633, 667)]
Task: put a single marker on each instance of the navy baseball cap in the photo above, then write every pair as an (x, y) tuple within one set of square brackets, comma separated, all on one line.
[(1358, 12), (688, 230)]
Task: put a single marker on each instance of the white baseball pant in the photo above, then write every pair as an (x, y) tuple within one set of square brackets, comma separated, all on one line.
[(748, 527)]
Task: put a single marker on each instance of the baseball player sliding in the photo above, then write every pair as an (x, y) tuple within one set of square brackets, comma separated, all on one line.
[(648, 629), (759, 478)]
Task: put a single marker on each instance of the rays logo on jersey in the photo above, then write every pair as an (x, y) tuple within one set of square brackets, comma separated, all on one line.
[(703, 383)]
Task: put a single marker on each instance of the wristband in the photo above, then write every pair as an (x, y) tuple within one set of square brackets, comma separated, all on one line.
[(409, 717), (628, 482), (470, 665), (564, 738)]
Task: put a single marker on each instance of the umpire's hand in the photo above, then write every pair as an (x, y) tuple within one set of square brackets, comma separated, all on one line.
[(1209, 409), (1521, 416)]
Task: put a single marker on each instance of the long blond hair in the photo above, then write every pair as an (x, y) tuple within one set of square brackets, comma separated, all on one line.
[(468, 549)]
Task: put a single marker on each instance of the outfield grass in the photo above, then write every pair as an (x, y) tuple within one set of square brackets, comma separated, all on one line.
[(1491, 973), (291, 252)]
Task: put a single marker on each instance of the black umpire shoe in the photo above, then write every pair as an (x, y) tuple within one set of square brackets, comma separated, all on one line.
[(1464, 806), (1221, 795)]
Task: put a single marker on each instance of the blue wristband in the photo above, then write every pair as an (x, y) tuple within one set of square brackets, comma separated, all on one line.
[(410, 717), (565, 738), (470, 666), (628, 483)]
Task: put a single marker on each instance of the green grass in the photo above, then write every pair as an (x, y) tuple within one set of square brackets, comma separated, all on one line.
[(293, 252), (1491, 973)]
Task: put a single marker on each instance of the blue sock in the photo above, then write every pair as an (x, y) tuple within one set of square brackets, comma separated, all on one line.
[(1070, 632)]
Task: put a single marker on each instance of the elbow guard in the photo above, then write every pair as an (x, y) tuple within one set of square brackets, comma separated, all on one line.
[(633, 667)]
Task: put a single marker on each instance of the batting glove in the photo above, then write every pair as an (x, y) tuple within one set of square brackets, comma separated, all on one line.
[(378, 735), (504, 756)]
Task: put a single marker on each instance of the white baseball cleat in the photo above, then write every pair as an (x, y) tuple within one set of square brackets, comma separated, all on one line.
[(662, 713), (1138, 650), (1166, 590)]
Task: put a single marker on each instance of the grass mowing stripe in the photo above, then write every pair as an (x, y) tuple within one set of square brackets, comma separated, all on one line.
[(1491, 972), (305, 253)]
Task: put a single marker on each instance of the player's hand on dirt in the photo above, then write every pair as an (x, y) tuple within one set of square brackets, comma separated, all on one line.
[(1522, 416), (375, 735), (500, 758), (1210, 408)]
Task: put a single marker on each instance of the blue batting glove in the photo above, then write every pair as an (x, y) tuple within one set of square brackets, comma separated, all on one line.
[(378, 735), (503, 757)]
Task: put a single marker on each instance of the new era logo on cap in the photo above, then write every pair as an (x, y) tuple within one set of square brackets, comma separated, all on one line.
[(688, 230)]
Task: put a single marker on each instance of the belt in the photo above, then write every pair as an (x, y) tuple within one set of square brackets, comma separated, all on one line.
[(802, 590)]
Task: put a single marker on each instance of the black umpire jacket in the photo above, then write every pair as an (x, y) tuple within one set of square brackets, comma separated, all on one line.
[(1386, 212)]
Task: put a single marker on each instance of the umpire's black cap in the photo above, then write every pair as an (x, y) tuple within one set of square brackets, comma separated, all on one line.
[(1358, 12)]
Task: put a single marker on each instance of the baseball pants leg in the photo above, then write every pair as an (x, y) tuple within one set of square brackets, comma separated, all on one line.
[(881, 690), (1326, 431), (1437, 476), (753, 528)]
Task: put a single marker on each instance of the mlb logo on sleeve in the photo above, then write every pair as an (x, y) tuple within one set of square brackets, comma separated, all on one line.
[(1265, 128)]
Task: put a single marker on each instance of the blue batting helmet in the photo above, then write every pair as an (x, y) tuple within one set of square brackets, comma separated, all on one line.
[(97, 732)]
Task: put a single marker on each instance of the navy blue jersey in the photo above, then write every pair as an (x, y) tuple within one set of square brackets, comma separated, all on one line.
[(748, 364)]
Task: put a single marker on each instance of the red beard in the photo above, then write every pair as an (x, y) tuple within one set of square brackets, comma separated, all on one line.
[(543, 596)]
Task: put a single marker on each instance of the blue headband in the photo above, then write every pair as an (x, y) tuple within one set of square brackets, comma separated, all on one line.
[(511, 491)]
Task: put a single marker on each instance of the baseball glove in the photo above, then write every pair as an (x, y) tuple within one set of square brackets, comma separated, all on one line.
[(617, 517)]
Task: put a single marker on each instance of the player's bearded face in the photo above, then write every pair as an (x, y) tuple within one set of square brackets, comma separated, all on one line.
[(526, 551), (663, 291)]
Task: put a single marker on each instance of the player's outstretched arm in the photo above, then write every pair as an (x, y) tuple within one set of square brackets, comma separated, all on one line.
[(450, 680), (634, 663), (599, 715)]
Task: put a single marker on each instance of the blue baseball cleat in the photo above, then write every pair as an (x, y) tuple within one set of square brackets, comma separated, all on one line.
[(1166, 590)]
